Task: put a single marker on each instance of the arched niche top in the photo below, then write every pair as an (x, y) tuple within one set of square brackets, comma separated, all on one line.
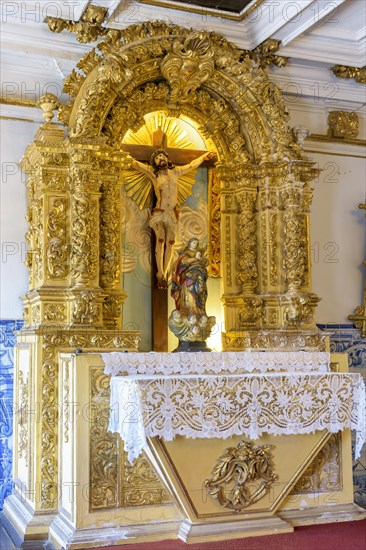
[(154, 66)]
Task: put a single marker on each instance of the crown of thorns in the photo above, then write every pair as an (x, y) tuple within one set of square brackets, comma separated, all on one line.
[(156, 153)]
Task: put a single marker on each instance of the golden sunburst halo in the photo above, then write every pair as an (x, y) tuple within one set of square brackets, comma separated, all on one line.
[(176, 136), (138, 186)]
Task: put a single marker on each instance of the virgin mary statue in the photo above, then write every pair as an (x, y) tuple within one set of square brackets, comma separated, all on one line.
[(189, 321)]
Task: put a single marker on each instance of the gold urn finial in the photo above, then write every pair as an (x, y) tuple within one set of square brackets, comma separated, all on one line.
[(48, 103)]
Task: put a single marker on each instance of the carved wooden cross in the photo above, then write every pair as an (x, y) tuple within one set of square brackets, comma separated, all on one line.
[(160, 296)]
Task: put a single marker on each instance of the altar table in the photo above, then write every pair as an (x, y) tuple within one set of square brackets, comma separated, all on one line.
[(201, 395)]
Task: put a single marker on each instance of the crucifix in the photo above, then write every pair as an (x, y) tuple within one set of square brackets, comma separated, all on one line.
[(164, 178)]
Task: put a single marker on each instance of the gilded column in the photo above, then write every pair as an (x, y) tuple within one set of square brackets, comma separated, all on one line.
[(295, 245), (248, 271), (85, 298), (110, 242)]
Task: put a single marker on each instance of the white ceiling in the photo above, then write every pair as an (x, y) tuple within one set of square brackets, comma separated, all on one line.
[(315, 34)]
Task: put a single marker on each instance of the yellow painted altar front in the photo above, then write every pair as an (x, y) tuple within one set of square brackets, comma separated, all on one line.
[(103, 499)]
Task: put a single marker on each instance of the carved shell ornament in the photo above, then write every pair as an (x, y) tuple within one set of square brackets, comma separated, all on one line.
[(188, 66)]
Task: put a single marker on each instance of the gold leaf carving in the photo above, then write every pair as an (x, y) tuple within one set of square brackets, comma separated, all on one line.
[(87, 29), (54, 312), (114, 481), (188, 66), (344, 71), (85, 311), (23, 416), (248, 274), (57, 260), (324, 473), (343, 124), (85, 251), (214, 250), (236, 471)]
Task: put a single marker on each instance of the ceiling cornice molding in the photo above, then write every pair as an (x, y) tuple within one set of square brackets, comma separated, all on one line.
[(313, 14), (329, 50), (36, 39), (330, 147), (316, 83), (20, 112)]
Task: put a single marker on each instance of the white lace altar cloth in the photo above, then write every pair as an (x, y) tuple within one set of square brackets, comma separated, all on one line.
[(222, 406), (215, 363)]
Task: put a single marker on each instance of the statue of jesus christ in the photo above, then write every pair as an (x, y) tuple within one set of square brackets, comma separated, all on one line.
[(163, 220)]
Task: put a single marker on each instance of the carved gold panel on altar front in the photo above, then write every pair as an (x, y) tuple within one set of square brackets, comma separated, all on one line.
[(114, 483)]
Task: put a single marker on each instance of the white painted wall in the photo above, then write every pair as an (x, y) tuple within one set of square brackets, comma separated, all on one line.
[(338, 239), (15, 136), (338, 227)]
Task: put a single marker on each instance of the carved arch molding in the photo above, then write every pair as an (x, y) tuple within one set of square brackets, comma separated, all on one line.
[(260, 221)]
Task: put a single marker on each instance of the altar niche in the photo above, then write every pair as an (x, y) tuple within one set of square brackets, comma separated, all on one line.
[(140, 189)]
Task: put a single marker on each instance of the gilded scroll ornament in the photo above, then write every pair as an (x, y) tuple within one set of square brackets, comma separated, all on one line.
[(88, 29), (344, 71), (343, 124), (85, 250), (49, 427), (277, 340), (23, 416), (295, 251), (214, 249), (236, 471), (251, 312), (110, 240), (57, 258), (102, 445), (54, 313), (52, 344), (265, 53), (248, 274)]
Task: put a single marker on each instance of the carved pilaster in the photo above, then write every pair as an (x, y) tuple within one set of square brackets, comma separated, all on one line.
[(214, 246), (229, 221), (110, 228), (84, 221), (295, 247), (269, 223), (248, 271)]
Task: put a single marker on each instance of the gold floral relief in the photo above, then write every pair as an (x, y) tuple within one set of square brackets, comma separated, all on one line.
[(114, 481), (84, 233), (214, 248), (325, 472), (23, 412), (57, 251)]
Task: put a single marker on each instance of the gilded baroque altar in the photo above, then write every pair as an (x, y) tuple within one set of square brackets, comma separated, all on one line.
[(73, 482)]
